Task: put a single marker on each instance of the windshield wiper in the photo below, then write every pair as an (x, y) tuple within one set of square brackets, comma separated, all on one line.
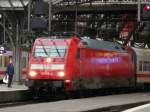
[(56, 48), (44, 48)]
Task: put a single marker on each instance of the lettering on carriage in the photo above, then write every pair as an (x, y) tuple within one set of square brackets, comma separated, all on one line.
[(107, 60)]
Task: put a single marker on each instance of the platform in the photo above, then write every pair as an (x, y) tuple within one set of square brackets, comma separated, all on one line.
[(15, 87), (142, 108), (82, 105), (15, 93)]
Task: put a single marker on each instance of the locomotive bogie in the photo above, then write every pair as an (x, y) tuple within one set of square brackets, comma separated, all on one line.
[(102, 82), (53, 84)]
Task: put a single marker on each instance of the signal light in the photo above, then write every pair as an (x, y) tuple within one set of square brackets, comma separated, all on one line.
[(67, 81), (147, 7), (146, 12)]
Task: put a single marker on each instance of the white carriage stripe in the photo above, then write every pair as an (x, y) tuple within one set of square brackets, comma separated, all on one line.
[(57, 66)]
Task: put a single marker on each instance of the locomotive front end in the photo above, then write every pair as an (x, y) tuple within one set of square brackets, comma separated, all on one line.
[(47, 63)]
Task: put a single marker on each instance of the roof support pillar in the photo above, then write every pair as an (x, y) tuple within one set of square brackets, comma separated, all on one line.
[(139, 11), (76, 17), (50, 16), (29, 15), (17, 56)]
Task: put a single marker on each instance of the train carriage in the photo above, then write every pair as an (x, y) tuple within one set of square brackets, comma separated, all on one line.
[(142, 65), (4, 60)]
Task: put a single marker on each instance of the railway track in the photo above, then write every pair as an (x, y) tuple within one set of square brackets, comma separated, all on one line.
[(118, 108), (26, 102), (78, 94)]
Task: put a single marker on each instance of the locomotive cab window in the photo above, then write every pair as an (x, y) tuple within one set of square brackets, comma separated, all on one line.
[(50, 51)]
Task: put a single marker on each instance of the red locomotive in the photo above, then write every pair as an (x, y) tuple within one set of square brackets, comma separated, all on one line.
[(79, 63)]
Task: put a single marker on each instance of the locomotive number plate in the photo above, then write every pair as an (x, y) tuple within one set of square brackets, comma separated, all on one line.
[(45, 73)]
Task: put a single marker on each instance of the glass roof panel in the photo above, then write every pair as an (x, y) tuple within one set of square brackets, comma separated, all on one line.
[(4, 3), (25, 2), (53, 1), (16, 3)]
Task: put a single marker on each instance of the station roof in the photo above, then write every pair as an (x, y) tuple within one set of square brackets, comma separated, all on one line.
[(13, 4), (85, 5), (19, 4), (55, 1), (98, 2)]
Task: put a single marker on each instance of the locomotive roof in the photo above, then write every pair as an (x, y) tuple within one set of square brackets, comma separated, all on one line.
[(104, 45)]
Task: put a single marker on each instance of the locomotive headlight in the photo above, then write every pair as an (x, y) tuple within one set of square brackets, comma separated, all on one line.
[(61, 74), (48, 60), (32, 73)]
